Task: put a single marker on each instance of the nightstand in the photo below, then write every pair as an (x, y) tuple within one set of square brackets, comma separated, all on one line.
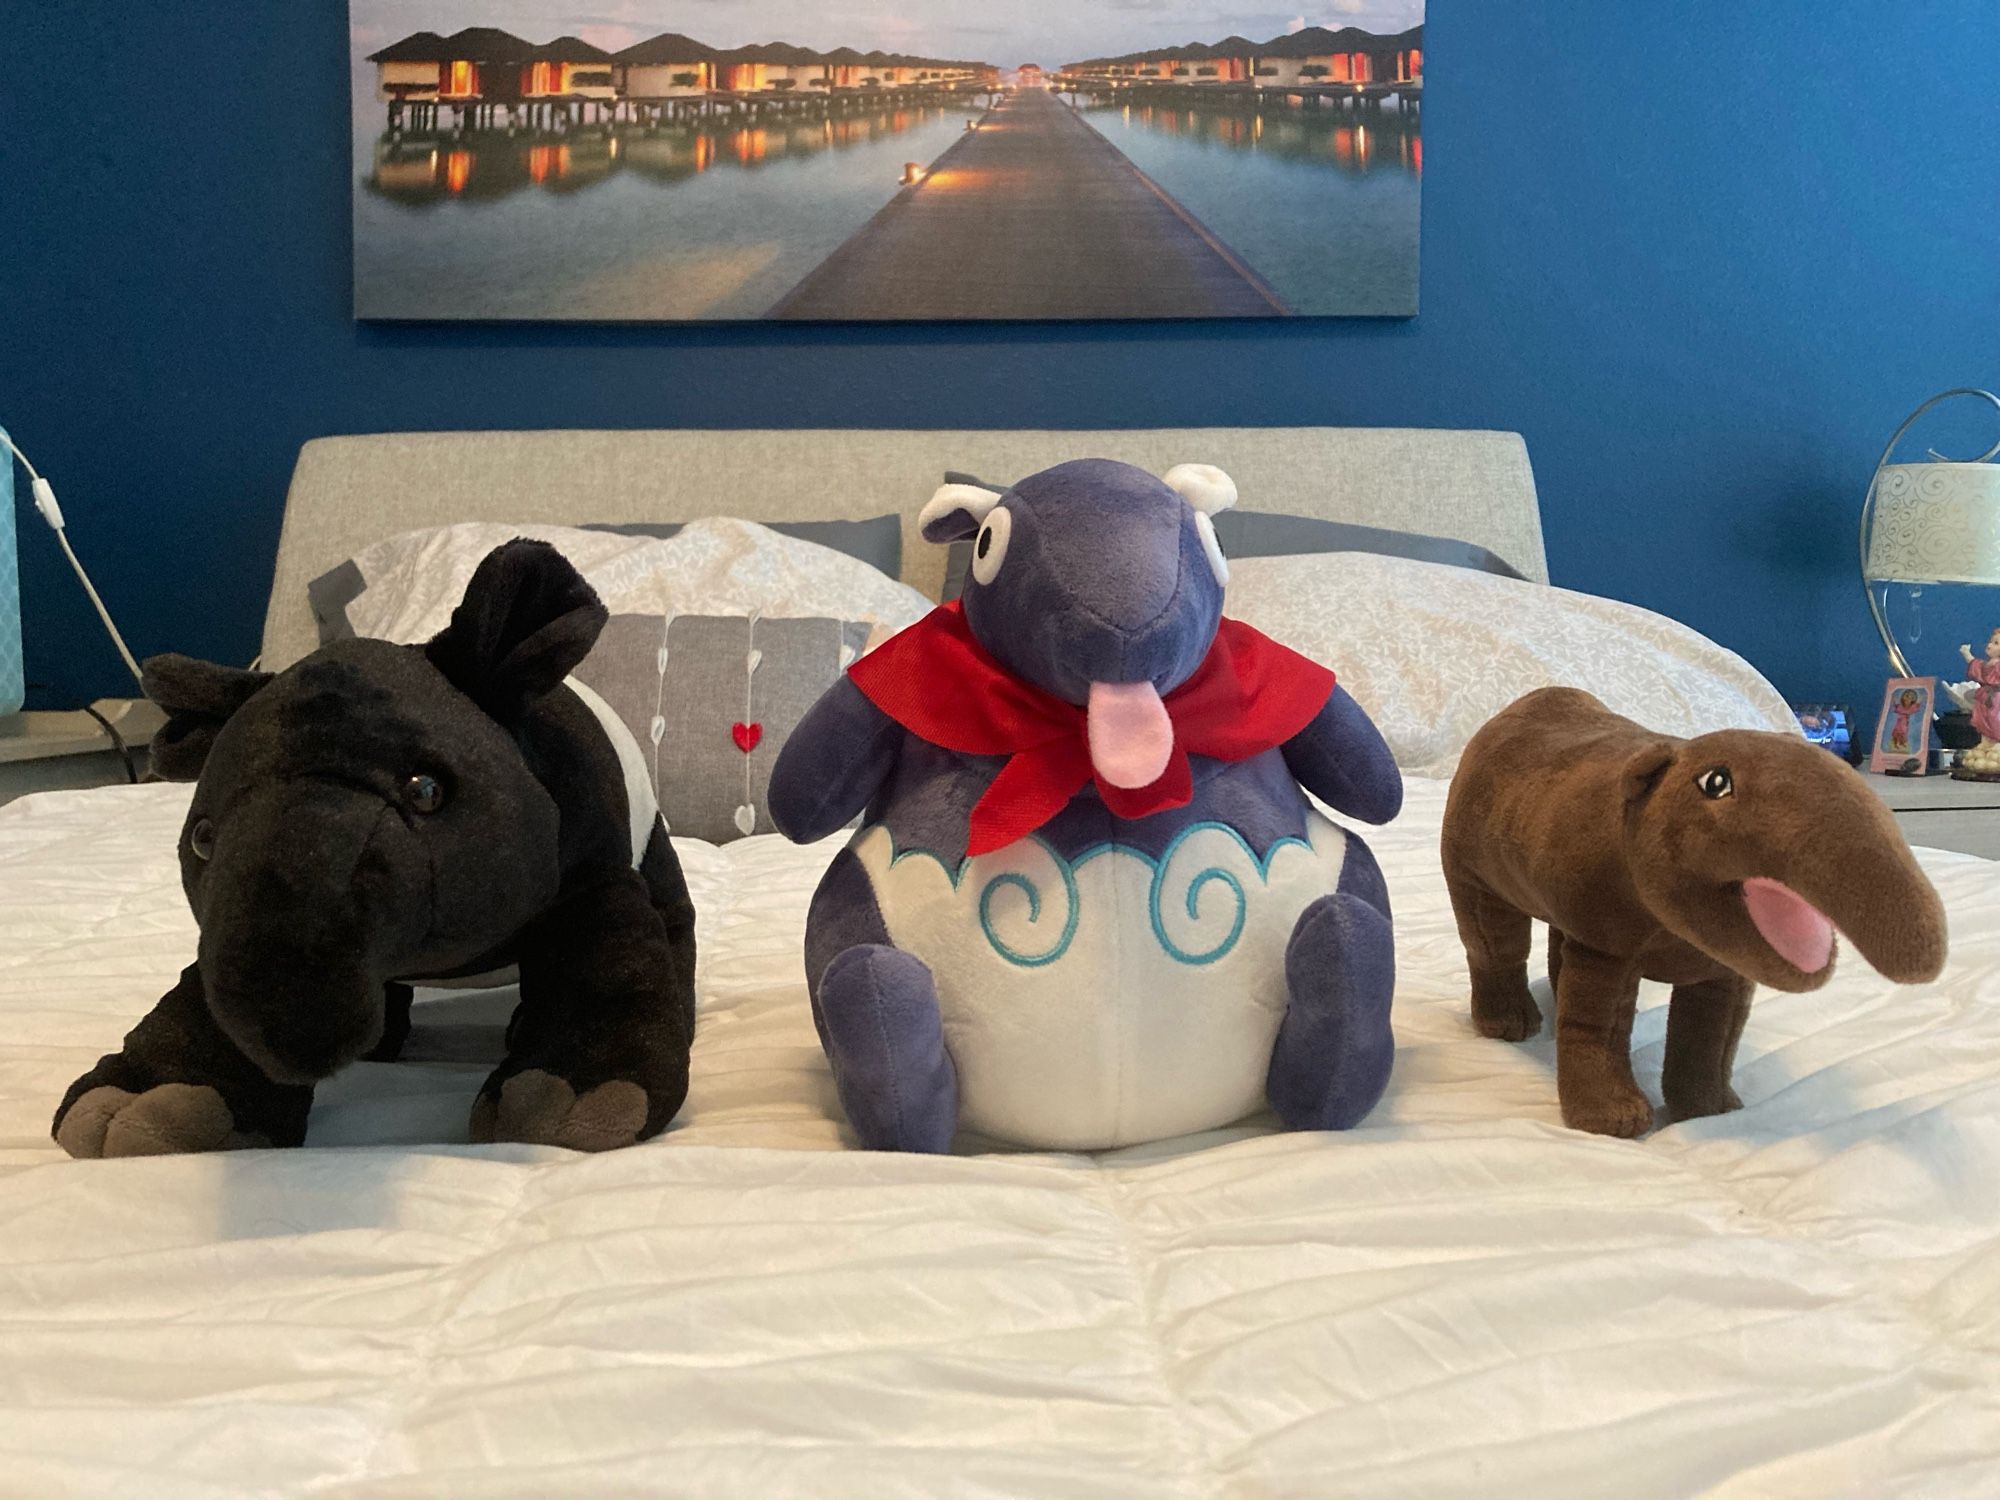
[(46, 752), (1942, 813)]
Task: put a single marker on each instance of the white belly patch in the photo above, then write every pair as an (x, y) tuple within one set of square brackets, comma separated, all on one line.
[(640, 802), (1112, 998)]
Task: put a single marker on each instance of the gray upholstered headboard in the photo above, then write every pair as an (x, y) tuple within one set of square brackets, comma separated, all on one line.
[(349, 492)]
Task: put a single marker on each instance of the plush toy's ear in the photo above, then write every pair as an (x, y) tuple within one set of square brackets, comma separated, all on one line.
[(1645, 768), (955, 511), (198, 697), (526, 620), (1203, 486)]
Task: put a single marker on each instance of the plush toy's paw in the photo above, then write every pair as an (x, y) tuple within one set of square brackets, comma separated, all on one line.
[(163, 1121), (884, 1039), (540, 1109), (1696, 1104), (1620, 1112), (1334, 1050), (1506, 1014)]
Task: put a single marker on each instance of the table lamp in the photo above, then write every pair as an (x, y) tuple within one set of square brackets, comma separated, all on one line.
[(43, 735), (1936, 521)]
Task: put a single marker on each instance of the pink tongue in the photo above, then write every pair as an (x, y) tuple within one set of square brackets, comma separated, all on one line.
[(1790, 924), (1131, 737)]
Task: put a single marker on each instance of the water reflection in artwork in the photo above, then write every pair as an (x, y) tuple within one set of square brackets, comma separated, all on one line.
[(1323, 202)]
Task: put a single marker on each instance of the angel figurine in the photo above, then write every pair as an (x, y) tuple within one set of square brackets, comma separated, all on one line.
[(1981, 697)]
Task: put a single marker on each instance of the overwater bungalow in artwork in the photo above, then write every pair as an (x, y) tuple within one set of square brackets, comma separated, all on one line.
[(570, 68), (482, 74), (1350, 55), (484, 64), (1231, 60), (668, 66), (894, 69), (789, 68), (844, 67), (413, 68), (480, 70), (1313, 58)]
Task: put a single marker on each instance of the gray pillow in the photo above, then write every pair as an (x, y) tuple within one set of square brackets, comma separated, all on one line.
[(877, 541), (1268, 534), (711, 699)]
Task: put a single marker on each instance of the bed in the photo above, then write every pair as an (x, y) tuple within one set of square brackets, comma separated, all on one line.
[(1459, 1297)]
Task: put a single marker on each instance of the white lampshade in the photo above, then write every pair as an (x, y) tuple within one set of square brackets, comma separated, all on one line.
[(1936, 523)]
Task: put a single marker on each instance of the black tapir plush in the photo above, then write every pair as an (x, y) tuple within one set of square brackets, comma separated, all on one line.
[(379, 814)]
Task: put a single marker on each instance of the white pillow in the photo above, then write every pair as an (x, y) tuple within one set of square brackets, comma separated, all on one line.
[(1433, 652), (716, 566)]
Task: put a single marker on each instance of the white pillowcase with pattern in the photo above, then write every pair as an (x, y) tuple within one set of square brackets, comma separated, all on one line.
[(716, 566), (1433, 652)]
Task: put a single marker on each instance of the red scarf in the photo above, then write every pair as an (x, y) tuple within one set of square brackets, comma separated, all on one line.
[(1248, 695)]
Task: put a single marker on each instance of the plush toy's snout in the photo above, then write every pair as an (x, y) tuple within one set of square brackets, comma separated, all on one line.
[(294, 957), (1759, 848), (343, 832), (1097, 582)]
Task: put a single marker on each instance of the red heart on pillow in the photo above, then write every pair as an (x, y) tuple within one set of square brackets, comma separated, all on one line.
[(746, 736)]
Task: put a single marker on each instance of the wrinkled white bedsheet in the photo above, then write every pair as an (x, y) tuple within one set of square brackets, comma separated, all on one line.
[(1459, 1298)]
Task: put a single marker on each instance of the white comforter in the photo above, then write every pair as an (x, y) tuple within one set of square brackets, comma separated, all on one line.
[(1459, 1298)]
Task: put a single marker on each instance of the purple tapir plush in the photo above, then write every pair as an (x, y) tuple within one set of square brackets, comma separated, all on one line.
[(1089, 904)]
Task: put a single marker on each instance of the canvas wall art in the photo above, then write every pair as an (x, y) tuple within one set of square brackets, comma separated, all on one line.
[(668, 160)]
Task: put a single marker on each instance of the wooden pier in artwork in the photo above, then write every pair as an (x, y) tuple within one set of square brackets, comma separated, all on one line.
[(1033, 214)]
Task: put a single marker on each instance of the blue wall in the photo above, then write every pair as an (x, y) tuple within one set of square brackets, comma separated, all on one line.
[(1704, 255)]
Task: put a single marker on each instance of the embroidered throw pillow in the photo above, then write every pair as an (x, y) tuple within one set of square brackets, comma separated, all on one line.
[(711, 699), (405, 587)]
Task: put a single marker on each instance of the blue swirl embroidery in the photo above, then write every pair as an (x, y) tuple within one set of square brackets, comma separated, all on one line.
[(1155, 902), (1021, 882), (1174, 950)]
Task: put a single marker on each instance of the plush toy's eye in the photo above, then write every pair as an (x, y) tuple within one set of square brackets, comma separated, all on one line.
[(989, 550), (201, 839), (1217, 563), (1715, 783), (423, 793)]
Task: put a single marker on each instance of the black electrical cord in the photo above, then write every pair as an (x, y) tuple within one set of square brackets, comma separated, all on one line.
[(117, 739), (124, 750)]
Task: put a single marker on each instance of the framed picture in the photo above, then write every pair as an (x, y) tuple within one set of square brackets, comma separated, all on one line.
[(1903, 735), (948, 159), (1826, 725)]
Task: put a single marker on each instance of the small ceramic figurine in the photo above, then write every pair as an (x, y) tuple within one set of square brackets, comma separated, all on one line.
[(1982, 697)]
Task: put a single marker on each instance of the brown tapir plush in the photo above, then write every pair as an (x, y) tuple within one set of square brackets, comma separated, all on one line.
[(1712, 864)]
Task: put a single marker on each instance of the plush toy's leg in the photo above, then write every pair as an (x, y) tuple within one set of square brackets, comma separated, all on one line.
[(597, 1052), (396, 999), (666, 888), (1334, 1048), (1704, 1024), (1556, 941), (1497, 939), (1595, 1000), (178, 1084), (884, 1036), (843, 915), (877, 1014)]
